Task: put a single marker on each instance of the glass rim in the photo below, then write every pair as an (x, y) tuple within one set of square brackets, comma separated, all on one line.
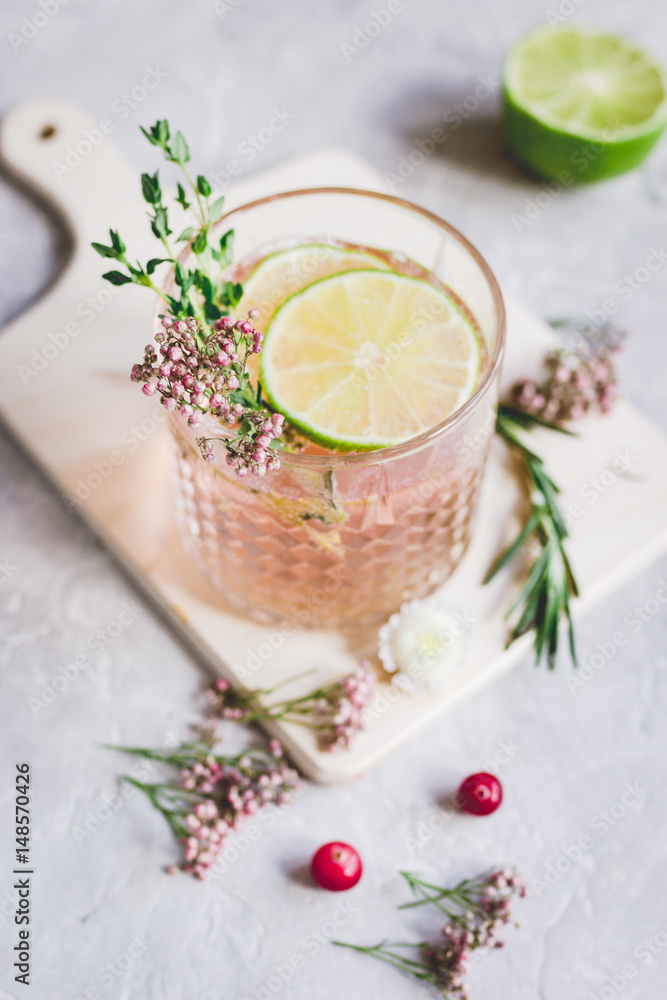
[(373, 457)]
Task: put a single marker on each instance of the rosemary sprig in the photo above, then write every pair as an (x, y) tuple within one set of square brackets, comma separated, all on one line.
[(544, 600)]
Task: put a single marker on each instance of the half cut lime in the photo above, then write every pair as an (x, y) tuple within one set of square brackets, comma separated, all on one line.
[(580, 104)]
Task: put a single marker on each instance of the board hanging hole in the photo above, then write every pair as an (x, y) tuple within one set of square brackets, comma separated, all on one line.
[(47, 132)]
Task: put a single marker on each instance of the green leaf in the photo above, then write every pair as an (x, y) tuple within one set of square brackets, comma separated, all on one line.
[(181, 199), (116, 278), (231, 294), (155, 262), (528, 421), (225, 293), (569, 574), (174, 305), (205, 285), (116, 241), (215, 210), (179, 274), (158, 134), (203, 186), (147, 188), (211, 312), (160, 225), (570, 634), (104, 251), (528, 615), (179, 149), (507, 428), (163, 130), (534, 579), (549, 491), (226, 247), (505, 557), (184, 279), (149, 135), (187, 234), (201, 242), (150, 188)]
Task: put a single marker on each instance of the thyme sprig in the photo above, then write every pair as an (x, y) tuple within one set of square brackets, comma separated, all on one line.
[(544, 600), (199, 363), (201, 292)]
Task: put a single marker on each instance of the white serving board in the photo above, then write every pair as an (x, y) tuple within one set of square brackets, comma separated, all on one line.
[(65, 393)]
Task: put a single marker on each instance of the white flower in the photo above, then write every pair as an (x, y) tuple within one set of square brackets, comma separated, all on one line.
[(422, 643)]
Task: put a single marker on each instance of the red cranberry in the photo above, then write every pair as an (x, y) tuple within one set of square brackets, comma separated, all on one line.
[(336, 866), (480, 794)]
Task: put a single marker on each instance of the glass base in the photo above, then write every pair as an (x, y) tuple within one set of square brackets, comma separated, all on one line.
[(273, 559)]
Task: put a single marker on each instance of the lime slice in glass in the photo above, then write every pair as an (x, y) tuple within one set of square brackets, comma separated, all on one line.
[(366, 359), (582, 105), (282, 274)]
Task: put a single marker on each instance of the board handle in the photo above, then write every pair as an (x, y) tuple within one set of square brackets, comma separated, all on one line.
[(60, 152)]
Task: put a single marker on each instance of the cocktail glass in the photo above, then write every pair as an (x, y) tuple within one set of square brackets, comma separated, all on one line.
[(340, 540)]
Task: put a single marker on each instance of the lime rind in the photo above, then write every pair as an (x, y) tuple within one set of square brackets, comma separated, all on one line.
[(319, 435), (297, 251), (295, 256)]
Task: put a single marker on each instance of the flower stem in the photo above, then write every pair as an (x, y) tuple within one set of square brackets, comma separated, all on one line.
[(397, 961)]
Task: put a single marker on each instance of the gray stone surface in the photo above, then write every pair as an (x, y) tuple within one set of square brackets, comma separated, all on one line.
[(107, 922)]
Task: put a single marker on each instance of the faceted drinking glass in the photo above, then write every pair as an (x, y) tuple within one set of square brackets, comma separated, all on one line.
[(338, 540)]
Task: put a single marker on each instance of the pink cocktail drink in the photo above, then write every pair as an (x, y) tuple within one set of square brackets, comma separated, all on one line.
[(334, 538)]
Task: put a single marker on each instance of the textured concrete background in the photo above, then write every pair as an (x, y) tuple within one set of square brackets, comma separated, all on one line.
[(107, 922)]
